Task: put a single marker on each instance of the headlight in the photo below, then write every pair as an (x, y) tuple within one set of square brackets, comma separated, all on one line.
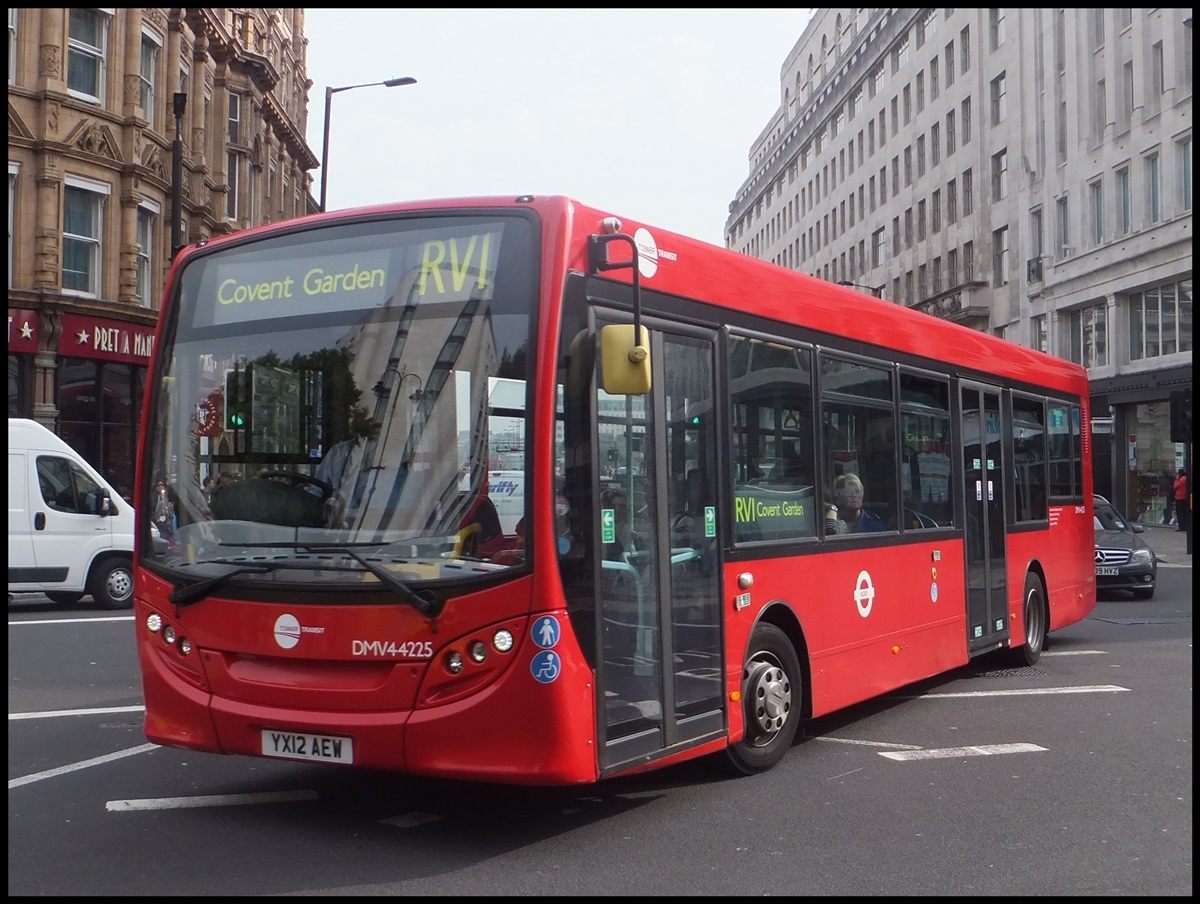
[(1141, 557)]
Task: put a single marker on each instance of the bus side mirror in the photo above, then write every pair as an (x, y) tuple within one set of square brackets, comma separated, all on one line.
[(624, 362)]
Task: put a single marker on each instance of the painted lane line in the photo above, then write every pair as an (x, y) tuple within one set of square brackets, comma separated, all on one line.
[(1027, 692), (209, 800), (870, 743), (84, 764), (951, 752), (1076, 653), (57, 713)]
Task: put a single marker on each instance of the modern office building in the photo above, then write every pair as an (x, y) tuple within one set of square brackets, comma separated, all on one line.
[(1026, 172), (96, 100)]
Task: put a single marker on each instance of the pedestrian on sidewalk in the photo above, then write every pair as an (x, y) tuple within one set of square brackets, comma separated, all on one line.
[(1182, 513)]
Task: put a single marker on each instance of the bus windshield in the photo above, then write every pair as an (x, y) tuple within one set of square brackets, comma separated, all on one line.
[(340, 393)]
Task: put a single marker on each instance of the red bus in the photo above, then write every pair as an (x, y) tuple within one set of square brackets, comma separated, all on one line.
[(748, 497)]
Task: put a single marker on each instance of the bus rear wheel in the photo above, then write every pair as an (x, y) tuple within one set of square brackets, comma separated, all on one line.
[(771, 701), (1034, 612)]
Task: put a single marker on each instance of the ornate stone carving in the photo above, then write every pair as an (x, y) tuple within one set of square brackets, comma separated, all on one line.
[(48, 60), (94, 139), (153, 160)]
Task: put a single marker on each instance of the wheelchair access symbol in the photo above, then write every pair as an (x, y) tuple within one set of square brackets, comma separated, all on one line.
[(546, 667)]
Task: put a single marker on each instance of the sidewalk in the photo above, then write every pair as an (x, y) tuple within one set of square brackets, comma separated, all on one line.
[(1169, 544)]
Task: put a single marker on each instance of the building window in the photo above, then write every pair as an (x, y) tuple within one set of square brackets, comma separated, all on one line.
[(950, 138), (896, 235), (996, 27), (148, 77), (920, 155), (147, 220), (935, 143), (234, 133), (1000, 175), (1096, 196), (1089, 336), (1127, 94), (83, 209), (86, 49), (1035, 232), (922, 282), (1158, 72), (12, 45), (952, 268), (902, 55), (1063, 221), (964, 46), (232, 167), (949, 64), (1038, 336), (908, 172), (1100, 104), (952, 201), (937, 275), (876, 81), (1124, 197), (1160, 321), (968, 191), (936, 211), (920, 91), (933, 79), (966, 121), (1097, 28), (968, 262), (921, 220), (856, 104), (1185, 171), (878, 247), (999, 101), (1000, 257), (907, 104), (908, 227), (1153, 188)]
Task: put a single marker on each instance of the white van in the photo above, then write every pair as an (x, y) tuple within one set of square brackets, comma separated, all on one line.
[(69, 532)]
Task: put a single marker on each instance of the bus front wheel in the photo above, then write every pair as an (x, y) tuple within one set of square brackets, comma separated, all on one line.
[(771, 702)]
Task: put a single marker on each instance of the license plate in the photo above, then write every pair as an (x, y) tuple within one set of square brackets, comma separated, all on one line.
[(313, 747), (1107, 570)]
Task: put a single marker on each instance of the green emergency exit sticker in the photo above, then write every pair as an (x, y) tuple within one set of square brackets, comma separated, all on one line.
[(710, 521), (608, 526)]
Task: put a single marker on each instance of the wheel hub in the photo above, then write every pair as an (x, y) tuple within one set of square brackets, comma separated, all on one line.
[(768, 698)]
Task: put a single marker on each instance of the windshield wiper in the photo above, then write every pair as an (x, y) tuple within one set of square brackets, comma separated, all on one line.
[(193, 593), (427, 602)]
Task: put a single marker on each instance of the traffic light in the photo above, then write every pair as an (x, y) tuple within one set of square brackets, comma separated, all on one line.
[(235, 399), (1181, 416)]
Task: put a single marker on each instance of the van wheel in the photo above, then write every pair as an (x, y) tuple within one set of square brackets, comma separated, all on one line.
[(64, 597), (111, 585), (772, 694)]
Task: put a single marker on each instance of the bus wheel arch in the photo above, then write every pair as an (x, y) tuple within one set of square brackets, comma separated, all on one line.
[(774, 695), (1035, 619)]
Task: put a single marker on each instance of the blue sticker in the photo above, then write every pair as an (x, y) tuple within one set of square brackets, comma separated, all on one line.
[(546, 667), (546, 631), (933, 592)]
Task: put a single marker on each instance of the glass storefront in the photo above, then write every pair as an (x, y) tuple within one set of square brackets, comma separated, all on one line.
[(1152, 461)]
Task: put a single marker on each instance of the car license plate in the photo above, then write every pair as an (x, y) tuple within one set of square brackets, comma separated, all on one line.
[(1107, 570), (299, 746)]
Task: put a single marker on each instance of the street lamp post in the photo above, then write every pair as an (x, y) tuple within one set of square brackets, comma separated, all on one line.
[(329, 93), (877, 291)]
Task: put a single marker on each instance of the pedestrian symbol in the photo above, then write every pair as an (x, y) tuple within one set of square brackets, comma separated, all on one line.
[(546, 631)]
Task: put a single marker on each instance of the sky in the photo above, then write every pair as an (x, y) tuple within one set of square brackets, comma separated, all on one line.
[(646, 113)]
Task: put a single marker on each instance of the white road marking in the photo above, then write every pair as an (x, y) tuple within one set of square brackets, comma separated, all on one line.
[(1028, 692), (57, 713), (950, 752), (870, 743), (1076, 653), (70, 621), (75, 767), (209, 800)]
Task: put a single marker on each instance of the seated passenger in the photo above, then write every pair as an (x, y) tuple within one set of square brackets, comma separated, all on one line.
[(848, 491)]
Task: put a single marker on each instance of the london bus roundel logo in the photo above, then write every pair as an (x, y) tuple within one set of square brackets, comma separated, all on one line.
[(647, 252), (287, 631), (864, 593)]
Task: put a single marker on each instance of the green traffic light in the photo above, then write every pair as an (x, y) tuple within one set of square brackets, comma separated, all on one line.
[(236, 420)]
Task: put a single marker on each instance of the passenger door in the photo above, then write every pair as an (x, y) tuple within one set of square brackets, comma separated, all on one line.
[(658, 581), (986, 565)]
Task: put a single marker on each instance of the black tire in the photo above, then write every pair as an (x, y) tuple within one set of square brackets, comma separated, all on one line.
[(111, 584), (772, 694), (64, 597), (1035, 615), (1143, 593)]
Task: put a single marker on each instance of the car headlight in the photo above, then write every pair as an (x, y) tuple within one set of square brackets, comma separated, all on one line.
[(1141, 557)]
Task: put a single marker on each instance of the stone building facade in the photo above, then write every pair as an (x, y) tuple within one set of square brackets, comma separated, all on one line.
[(92, 120), (1027, 172)]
